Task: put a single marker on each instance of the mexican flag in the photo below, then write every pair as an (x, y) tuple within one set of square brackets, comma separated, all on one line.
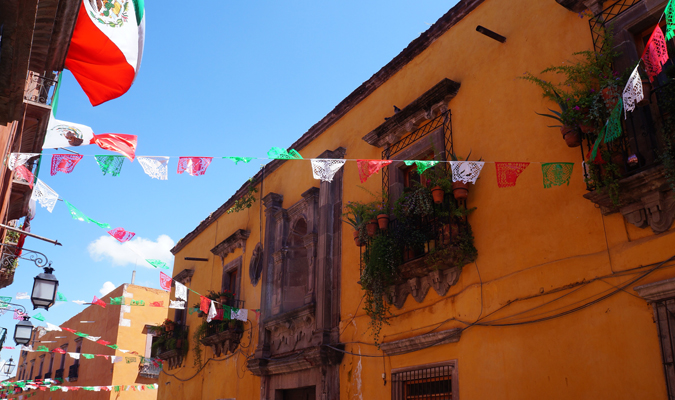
[(69, 134), (107, 47)]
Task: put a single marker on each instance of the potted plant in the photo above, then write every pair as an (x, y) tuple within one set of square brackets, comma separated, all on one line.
[(460, 190), (439, 180), (588, 91), (357, 215), (383, 219)]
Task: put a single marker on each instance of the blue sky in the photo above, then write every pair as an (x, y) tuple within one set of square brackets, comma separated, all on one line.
[(227, 78)]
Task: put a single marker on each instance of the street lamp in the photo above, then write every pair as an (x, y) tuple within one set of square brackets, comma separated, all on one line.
[(44, 290), (9, 367), (23, 331)]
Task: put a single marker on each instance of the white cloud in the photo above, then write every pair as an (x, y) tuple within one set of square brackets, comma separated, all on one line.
[(106, 288), (135, 251)]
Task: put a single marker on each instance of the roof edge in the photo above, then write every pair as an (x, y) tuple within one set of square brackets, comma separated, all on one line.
[(416, 47)]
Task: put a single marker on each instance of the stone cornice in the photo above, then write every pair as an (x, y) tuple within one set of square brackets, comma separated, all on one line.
[(657, 291), (183, 276), (415, 48), (433, 101), (234, 241), (420, 342)]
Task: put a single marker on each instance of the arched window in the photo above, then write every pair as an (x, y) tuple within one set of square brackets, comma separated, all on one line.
[(296, 275), (256, 264)]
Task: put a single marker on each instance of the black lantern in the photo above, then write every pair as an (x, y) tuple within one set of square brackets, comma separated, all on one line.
[(8, 368), (23, 332), (44, 290)]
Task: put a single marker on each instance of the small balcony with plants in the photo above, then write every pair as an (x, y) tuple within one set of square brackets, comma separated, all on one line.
[(40, 89), (73, 372), (170, 343), (8, 258), (222, 334), (628, 156), (420, 242), (149, 369)]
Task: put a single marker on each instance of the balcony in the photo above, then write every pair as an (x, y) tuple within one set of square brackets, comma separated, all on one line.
[(73, 372), (172, 346), (58, 374), (148, 369), (419, 249), (223, 336), (39, 90), (636, 173), (48, 375)]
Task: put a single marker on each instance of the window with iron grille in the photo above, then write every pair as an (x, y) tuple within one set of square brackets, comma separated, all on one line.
[(427, 382)]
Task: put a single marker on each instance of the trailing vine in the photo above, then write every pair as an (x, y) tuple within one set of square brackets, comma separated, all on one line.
[(246, 201), (416, 227), (379, 273)]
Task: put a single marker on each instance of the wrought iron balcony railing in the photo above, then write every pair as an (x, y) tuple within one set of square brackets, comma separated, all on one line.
[(58, 374), (73, 372), (149, 370), (425, 235), (39, 89), (48, 375)]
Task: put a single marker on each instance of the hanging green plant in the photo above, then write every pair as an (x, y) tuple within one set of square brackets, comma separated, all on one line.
[(246, 201), (379, 273)]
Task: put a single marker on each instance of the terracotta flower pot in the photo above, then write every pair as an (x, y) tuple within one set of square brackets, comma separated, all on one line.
[(437, 193), (571, 136), (460, 190), (357, 239), (371, 227), (383, 221), (611, 96), (586, 128)]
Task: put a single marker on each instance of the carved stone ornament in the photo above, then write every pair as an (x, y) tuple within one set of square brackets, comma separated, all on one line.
[(184, 276), (291, 331), (416, 278), (224, 342), (237, 240), (429, 105), (645, 200), (173, 358)]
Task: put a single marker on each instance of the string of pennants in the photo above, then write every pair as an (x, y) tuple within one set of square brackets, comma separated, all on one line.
[(322, 168), (52, 385)]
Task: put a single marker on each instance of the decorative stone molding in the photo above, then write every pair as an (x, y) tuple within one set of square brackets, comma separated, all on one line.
[(578, 6), (318, 356), (174, 358), (224, 342), (420, 342), (430, 104), (184, 276), (657, 291), (416, 278), (237, 240), (646, 200), (255, 266), (292, 330)]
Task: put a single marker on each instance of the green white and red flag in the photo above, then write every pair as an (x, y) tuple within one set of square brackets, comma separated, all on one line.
[(107, 47)]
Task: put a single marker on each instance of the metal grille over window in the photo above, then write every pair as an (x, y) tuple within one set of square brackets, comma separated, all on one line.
[(433, 383), (664, 311)]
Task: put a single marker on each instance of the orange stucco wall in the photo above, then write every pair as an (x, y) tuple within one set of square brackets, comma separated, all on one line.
[(100, 371), (541, 251)]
